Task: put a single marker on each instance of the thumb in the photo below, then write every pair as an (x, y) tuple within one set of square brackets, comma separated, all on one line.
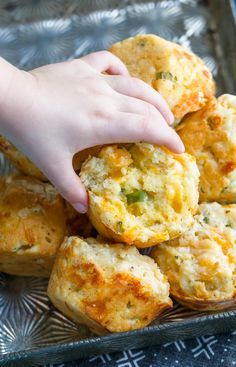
[(68, 184)]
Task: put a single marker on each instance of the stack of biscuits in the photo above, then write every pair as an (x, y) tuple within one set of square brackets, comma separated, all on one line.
[(180, 206)]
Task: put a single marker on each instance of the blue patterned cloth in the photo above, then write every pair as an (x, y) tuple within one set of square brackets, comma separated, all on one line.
[(217, 351)]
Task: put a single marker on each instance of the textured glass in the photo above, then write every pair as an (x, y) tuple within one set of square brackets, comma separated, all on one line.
[(33, 33)]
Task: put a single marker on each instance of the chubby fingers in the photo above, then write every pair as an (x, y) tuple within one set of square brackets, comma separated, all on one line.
[(68, 184), (138, 89), (152, 128), (105, 61)]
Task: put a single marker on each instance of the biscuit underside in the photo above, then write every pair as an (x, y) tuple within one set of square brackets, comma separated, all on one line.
[(204, 305)]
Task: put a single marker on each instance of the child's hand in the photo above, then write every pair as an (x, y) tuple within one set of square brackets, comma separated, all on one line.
[(57, 110)]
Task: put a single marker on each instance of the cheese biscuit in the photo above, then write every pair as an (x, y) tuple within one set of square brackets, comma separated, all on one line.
[(140, 194), (108, 287), (210, 135), (176, 73), (32, 226), (201, 264)]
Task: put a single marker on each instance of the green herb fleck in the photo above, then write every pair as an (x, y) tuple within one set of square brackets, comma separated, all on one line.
[(176, 257), (224, 189), (229, 225), (129, 304), (136, 196), (166, 75), (120, 227), (123, 190), (142, 43), (129, 146), (206, 220)]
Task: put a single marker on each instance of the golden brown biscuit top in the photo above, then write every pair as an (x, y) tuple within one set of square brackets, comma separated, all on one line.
[(210, 135), (180, 76), (32, 215), (112, 259), (110, 284), (201, 264), (22, 163)]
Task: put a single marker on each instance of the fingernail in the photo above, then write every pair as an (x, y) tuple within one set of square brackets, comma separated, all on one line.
[(171, 118), (181, 147), (81, 208)]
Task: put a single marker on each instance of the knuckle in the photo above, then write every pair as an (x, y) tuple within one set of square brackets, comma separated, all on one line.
[(106, 54), (98, 86), (146, 126), (73, 64), (93, 87), (124, 81), (104, 110), (138, 82), (150, 111), (77, 67)]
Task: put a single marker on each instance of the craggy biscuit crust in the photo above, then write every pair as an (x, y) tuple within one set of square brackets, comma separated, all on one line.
[(109, 287), (177, 74), (32, 226), (201, 264), (210, 135)]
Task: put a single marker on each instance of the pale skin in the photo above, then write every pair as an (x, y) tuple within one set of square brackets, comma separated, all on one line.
[(55, 111)]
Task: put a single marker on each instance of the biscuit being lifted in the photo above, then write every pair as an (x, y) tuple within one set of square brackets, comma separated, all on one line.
[(27, 167), (140, 194), (210, 135), (32, 226), (109, 287), (201, 264), (176, 73)]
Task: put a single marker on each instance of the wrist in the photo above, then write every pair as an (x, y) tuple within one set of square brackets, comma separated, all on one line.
[(7, 72), (14, 93)]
